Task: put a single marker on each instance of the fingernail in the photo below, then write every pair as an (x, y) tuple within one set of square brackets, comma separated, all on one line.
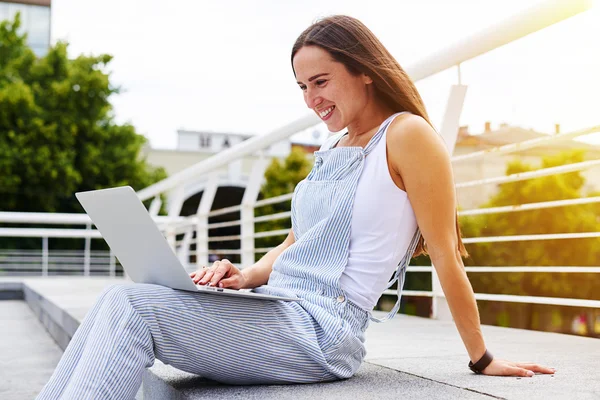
[(529, 373), (220, 284)]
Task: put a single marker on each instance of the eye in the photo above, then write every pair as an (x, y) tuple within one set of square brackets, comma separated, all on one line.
[(321, 81), (303, 87)]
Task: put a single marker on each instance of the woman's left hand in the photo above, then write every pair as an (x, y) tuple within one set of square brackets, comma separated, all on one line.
[(507, 368)]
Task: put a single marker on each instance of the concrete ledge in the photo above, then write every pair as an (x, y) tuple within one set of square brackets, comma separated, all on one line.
[(407, 357), (59, 323), (163, 382), (11, 289)]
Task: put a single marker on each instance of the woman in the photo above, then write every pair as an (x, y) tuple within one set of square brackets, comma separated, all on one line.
[(374, 197)]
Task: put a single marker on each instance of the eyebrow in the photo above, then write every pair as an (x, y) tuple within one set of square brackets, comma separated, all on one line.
[(312, 78)]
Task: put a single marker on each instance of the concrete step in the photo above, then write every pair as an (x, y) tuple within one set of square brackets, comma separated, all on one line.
[(408, 356)]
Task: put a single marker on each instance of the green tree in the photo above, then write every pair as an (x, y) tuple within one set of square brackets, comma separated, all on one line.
[(57, 129), (559, 252), (281, 178)]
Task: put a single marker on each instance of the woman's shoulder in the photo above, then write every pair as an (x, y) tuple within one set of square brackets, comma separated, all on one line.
[(410, 131), (411, 135)]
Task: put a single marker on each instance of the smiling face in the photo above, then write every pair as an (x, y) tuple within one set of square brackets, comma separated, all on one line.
[(330, 90)]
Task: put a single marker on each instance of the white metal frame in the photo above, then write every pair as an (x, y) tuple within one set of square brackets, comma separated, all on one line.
[(177, 186)]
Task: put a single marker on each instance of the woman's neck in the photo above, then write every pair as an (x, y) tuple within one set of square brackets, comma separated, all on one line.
[(363, 129)]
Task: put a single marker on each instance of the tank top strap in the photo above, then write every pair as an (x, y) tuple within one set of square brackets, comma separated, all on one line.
[(379, 134), (399, 276)]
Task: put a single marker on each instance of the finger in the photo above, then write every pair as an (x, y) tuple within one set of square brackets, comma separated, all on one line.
[(206, 278), (536, 368), (516, 371), (232, 282), (198, 275), (219, 273)]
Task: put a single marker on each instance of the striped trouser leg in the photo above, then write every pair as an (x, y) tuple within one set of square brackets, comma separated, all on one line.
[(106, 356), (231, 340)]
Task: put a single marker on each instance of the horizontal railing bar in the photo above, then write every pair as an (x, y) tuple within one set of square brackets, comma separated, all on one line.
[(224, 224), (530, 206), (534, 269), (271, 233), (48, 232), (273, 200), (263, 249), (415, 293), (527, 144), (517, 238), (555, 301), (226, 210), (522, 176), (281, 215), (14, 217), (224, 238), (416, 268)]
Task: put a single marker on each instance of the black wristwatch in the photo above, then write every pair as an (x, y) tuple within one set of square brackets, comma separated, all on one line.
[(483, 362)]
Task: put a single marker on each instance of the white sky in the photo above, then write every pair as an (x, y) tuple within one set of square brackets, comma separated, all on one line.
[(224, 65)]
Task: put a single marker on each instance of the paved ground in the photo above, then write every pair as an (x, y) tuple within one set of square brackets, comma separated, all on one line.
[(411, 357), (27, 353)]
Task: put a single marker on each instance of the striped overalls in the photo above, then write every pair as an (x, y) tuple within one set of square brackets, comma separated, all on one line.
[(238, 340)]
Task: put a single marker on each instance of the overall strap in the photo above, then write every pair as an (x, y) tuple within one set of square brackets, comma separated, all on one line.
[(399, 276), (375, 139)]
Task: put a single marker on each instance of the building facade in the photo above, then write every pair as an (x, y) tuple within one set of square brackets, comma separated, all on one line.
[(494, 165), (35, 21)]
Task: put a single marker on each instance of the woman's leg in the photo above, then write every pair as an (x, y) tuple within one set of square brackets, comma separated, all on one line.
[(107, 354), (228, 339)]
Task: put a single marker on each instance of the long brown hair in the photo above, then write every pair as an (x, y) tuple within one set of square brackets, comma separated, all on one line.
[(351, 43)]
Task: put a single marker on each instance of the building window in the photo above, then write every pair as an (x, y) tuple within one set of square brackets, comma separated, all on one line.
[(204, 141), (35, 21), (226, 143)]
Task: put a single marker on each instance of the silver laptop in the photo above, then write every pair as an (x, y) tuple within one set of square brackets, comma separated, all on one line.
[(139, 245)]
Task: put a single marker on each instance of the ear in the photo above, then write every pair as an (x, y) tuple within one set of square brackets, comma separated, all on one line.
[(367, 79)]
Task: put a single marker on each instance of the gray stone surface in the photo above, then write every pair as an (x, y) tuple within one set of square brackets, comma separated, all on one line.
[(370, 382), (27, 354), (433, 350), (414, 357)]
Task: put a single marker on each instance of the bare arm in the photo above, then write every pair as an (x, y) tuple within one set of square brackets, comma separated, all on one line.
[(421, 159), (258, 274)]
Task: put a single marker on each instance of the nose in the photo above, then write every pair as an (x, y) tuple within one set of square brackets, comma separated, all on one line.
[(312, 99)]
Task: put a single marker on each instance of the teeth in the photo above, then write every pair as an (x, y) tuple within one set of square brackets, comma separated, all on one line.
[(323, 114)]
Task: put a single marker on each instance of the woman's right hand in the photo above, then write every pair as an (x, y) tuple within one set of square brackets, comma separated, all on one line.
[(222, 273)]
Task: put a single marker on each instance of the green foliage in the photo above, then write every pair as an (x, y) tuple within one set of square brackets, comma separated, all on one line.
[(281, 178), (559, 252), (57, 129)]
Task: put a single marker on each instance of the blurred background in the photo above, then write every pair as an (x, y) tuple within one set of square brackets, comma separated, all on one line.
[(102, 94)]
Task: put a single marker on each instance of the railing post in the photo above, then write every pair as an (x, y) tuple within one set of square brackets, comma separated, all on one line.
[(247, 212), (184, 250), (175, 202), (208, 197), (112, 265), (155, 206), (45, 256), (451, 120), (439, 304), (86, 254)]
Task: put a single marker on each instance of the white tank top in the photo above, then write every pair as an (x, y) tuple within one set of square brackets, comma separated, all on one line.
[(383, 225)]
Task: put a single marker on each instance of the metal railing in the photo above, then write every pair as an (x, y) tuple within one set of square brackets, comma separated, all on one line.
[(190, 238)]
